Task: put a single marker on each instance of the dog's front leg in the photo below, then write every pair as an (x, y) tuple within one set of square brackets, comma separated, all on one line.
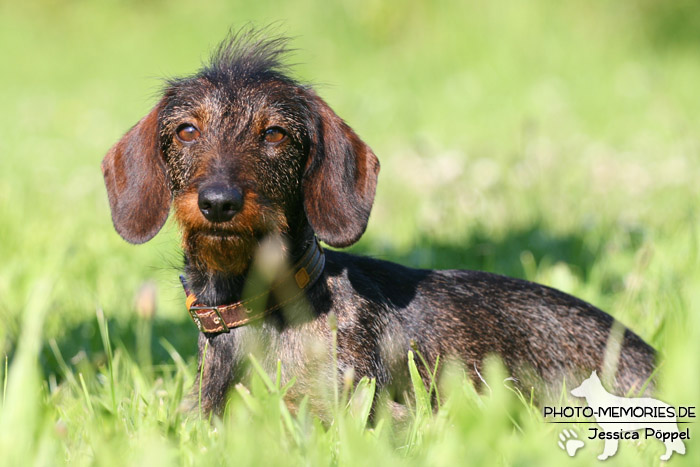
[(215, 372)]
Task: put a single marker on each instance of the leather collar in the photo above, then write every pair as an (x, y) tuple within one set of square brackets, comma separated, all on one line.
[(222, 318)]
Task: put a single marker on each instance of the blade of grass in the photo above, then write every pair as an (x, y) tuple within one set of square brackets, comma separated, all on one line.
[(362, 400), (86, 394), (269, 384), (175, 355), (422, 396), (288, 422), (333, 324), (247, 398), (201, 377), (24, 405), (4, 382), (422, 408), (104, 333), (65, 369)]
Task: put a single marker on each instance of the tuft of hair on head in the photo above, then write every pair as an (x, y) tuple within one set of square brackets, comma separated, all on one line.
[(249, 53)]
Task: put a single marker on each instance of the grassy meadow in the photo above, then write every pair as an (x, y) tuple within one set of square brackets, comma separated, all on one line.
[(556, 141)]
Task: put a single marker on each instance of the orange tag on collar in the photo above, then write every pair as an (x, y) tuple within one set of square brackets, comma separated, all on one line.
[(302, 278)]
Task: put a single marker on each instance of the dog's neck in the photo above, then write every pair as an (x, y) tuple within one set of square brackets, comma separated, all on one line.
[(221, 287)]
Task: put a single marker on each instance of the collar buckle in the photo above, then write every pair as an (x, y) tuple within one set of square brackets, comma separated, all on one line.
[(195, 318), (218, 319)]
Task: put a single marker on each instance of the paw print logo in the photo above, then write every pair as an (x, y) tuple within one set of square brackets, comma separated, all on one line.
[(569, 442)]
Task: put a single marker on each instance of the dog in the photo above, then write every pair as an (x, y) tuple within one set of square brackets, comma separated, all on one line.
[(597, 397), (244, 153)]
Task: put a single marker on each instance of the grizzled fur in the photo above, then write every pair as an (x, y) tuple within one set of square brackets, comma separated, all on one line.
[(320, 179)]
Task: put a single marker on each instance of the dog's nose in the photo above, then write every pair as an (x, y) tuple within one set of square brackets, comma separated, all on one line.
[(219, 203)]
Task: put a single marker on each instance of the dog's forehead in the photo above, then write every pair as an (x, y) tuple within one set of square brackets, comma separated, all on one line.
[(231, 97)]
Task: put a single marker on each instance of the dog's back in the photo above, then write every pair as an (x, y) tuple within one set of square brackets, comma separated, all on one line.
[(539, 332)]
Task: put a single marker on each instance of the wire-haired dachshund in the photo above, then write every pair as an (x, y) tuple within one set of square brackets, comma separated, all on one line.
[(246, 154)]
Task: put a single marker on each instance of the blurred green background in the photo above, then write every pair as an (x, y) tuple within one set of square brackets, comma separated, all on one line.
[(551, 140)]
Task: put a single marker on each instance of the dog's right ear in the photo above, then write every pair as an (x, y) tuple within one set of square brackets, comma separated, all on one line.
[(137, 187)]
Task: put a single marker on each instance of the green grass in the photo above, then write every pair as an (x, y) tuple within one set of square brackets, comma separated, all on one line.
[(554, 141)]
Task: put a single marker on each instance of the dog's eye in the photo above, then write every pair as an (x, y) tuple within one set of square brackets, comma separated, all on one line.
[(274, 134), (187, 133)]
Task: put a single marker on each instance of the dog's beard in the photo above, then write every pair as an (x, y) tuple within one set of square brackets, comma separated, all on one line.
[(221, 252), (228, 247), (224, 250)]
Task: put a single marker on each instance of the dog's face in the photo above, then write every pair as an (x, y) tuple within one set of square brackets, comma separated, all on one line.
[(235, 153), (242, 151)]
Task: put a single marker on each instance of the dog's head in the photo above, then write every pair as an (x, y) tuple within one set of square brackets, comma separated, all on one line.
[(241, 151)]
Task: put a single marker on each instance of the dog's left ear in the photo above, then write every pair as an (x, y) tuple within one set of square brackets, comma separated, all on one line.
[(340, 178), (136, 181)]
